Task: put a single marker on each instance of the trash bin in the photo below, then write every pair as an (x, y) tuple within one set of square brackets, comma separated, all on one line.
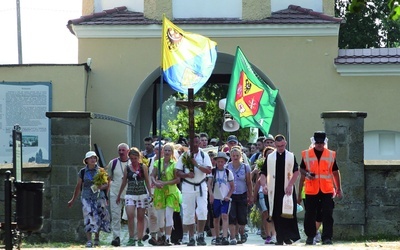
[(29, 205)]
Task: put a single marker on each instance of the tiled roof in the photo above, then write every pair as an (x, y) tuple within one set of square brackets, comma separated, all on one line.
[(122, 16), (292, 15), (369, 56)]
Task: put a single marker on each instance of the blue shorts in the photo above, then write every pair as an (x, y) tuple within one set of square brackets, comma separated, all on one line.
[(220, 207), (263, 201)]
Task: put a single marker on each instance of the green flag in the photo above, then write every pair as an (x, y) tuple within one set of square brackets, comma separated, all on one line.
[(250, 101)]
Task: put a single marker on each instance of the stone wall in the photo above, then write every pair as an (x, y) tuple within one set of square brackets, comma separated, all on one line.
[(382, 196)]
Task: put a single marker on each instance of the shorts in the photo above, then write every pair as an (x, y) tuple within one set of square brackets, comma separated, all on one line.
[(220, 207), (238, 211), (139, 201), (263, 201)]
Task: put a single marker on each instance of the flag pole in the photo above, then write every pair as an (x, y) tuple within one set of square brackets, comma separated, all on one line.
[(161, 98)]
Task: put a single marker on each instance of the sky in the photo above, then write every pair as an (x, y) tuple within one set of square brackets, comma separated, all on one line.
[(45, 37)]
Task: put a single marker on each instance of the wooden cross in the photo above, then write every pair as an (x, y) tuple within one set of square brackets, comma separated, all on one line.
[(191, 104)]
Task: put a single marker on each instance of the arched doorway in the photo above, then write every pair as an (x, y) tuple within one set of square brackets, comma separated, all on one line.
[(144, 105)]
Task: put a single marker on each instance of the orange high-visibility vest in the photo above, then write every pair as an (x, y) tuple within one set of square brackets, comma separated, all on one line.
[(323, 171)]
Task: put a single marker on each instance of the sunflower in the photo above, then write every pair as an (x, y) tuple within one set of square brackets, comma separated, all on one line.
[(187, 161), (101, 177)]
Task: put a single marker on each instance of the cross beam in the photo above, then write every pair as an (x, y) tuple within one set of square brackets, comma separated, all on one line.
[(191, 104)]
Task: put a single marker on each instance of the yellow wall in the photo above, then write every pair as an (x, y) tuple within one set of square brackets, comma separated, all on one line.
[(68, 82), (300, 67)]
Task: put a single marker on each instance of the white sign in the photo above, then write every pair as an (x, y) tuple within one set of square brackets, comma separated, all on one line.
[(25, 104)]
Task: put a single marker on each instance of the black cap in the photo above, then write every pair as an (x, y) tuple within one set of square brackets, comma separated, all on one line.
[(319, 136)]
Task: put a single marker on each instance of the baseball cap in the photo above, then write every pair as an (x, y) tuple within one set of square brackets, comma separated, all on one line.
[(232, 138)]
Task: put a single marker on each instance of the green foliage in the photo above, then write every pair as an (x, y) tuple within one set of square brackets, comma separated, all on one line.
[(255, 216), (208, 119), (368, 24)]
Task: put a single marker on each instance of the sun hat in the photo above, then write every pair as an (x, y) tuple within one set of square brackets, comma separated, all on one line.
[(214, 140), (88, 155), (269, 137), (222, 155)]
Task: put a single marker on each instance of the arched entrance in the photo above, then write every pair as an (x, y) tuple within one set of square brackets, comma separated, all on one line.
[(144, 105)]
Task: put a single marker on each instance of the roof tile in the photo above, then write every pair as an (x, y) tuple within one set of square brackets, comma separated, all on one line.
[(292, 15), (122, 16), (368, 56)]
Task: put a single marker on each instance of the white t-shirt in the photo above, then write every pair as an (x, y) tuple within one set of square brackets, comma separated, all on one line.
[(199, 176), (222, 183), (117, 176)]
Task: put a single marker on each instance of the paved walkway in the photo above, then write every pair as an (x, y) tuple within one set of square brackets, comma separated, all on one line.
[(254, 242)]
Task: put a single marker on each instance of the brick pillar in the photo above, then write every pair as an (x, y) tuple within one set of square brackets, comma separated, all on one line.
[(70, 140), (345, 131)]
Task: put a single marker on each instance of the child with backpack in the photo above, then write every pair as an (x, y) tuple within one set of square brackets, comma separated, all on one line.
[(220, 188)]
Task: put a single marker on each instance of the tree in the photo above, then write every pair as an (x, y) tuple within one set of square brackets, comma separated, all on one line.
[(368, 24), (208, 119), (392, 5)]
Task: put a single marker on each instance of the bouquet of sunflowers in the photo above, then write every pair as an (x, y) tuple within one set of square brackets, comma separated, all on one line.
[(187, 161), (99, 179)]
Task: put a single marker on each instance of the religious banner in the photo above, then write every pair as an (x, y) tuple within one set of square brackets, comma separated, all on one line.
[(250, 101), (187, 59)]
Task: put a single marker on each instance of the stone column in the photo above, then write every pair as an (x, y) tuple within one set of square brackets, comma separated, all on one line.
[(70, 140), (345, 131)]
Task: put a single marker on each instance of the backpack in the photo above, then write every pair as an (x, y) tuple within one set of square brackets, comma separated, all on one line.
[(114, 163), (214, 173)]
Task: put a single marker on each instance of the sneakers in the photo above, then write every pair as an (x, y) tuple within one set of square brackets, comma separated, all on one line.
[(201, 241), (140, 243), (131, 242), (310, 241), (89, 244), (288, 242), (152, 241), (218, 241), (96, 242), (327, 242), (185, 239), (224, 241), (317, 237), (243, 238), (213, 241), (191, 242), (268, 240), (233, 242), (116, 242), (273, 239), (161, 240), (238, 240), (167, 243), (145, 237)]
